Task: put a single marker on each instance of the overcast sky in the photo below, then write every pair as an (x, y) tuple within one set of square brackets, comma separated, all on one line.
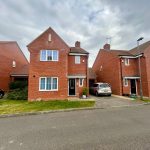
[(88, 21)]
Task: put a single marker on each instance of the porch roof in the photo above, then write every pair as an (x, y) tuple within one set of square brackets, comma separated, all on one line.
[(131, 77), (76, 76), (20, 72)]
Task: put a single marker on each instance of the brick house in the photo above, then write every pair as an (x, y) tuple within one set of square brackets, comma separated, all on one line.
[(56, 71), (13, 64), (120, 68)]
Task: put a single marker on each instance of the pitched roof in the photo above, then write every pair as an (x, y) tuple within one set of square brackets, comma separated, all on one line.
[(121, 52), (142, 48), (50, 30), (10, 51), (78, 50), (92, 74), (23, 70), (132, 52)]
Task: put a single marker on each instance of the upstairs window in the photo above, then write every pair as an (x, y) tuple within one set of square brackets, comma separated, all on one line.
[(49, 55), (77, 59), (126, 61)]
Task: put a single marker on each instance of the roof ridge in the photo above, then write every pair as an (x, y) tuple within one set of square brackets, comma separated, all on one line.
[(51, 29)]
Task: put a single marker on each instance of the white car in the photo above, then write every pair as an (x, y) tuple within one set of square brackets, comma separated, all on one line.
[(101, 89)]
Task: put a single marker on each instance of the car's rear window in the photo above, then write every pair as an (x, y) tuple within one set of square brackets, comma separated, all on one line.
[(104, 85)]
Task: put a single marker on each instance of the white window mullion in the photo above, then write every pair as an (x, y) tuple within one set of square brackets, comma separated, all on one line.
[(57, 55), (52, 83), (52, 56), (45, 83), (46, 55)]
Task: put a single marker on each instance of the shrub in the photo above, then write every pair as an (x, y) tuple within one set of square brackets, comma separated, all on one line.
[(18, 85), (85, 91), (18, 94)]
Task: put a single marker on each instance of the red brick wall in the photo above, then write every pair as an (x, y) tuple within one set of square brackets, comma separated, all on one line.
[(48, 69), (9, 52), (81, 69), (110, 71), (80, 89), (128, 70), (131, 69), (147, 61), (144, 77), (77, 68)]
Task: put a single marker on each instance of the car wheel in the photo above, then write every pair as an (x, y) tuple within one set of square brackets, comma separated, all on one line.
[(109, 95)]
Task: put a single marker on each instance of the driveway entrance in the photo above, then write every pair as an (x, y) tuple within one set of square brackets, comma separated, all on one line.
[(113, 101)]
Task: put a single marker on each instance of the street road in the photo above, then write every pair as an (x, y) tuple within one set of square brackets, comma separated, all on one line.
[(106, 129)]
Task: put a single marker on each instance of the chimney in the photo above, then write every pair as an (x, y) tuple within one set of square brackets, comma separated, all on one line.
[(77, 44), (106, 46)]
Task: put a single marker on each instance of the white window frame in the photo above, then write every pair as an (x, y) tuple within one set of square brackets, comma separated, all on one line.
[(81, 83), (46, 82), (77, 59), (126, 61), (47, 53), (125, 82)]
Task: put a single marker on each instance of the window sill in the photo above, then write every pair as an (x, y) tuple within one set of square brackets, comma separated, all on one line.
[(48, 90), (48, 60)]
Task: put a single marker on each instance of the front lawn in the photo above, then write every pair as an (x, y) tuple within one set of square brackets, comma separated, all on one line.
[(146, 100), (21, 106)]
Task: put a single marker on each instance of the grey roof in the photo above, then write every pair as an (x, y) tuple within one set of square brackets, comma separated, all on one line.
[(78, 50), (133, 52), (142, 47)]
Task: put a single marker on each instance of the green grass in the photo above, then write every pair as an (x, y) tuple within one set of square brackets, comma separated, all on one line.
[(146, 100), (21, 106)]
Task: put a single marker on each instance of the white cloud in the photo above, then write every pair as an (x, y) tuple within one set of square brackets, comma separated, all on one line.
[(89, 21)]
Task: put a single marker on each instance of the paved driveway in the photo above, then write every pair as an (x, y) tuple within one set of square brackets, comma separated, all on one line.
[(113, 101)]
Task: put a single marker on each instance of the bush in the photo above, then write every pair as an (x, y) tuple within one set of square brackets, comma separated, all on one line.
[(18, 94), (18, 85), (85, 91)]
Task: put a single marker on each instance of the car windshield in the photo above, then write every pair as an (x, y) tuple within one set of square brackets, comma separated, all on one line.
[(104, 85)]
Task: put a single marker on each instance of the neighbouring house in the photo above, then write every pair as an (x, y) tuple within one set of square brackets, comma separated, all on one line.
[(56, 70), (120, 68), (13, 64)]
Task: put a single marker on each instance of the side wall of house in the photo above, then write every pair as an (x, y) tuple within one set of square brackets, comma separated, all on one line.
[(144, 77), (107, 69), (147, 62)]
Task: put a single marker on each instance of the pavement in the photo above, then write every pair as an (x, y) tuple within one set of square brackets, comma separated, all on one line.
[(114, 101), (125, 128)]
